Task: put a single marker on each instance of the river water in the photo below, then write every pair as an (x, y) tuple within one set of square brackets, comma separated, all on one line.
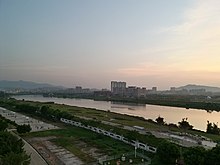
[(197, 118)]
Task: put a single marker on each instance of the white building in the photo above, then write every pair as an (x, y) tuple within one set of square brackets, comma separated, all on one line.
[(118, 88)]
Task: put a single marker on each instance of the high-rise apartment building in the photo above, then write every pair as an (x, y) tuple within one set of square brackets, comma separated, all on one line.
[(118, 88)]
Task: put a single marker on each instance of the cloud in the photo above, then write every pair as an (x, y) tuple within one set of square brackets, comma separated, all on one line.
[(147, 69), (190, 46), (201, 13)]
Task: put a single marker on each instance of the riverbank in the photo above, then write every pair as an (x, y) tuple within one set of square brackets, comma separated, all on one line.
[(108, 116), (128, 126), (183, 101), (198, 118), (208, 106)]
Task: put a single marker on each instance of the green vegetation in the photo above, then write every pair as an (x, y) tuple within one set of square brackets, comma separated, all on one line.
[(71, 137), (23, 128), (128, 160), (3, 125), (5, 121), (185, 101), (212, 128), (51, 112), (184, 124), (11, 150), (168, 153), (160, 120), (194, 155), (213, 156)]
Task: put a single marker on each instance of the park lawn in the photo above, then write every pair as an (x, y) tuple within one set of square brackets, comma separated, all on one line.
[(67, 137), (213, 137), (100, 115), (70, 144)]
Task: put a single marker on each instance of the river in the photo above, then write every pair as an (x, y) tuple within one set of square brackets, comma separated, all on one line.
[(197, 118)]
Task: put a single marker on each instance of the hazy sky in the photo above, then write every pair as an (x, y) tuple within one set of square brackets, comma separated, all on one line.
[(91, 42)]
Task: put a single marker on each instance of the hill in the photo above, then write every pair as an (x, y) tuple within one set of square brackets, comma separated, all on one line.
[(193, 86), (4, 84)]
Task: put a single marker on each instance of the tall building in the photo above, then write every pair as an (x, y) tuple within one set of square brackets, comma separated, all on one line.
[(154, 89), (118, 88), (141, 92)]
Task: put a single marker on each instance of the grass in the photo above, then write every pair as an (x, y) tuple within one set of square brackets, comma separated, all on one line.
[(213, 137), (106, 116), (69, 138), (100, 115), (137, 160), (70, 144)]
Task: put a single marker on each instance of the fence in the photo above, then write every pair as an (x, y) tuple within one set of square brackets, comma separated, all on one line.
[(112, 135)]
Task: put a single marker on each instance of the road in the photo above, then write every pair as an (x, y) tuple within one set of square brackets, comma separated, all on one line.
[(36, 159)]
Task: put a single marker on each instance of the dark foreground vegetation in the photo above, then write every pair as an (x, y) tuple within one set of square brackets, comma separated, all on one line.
[(167, 153), (11, 148)]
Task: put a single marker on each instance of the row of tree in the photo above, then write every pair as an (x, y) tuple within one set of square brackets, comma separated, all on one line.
[(42, 111), (50, 113), (184, 124), (11, 148), (212, 128), (20, 128), (169, 154)]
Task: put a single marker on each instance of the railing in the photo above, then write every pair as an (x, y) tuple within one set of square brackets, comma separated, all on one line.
[(112, 135)]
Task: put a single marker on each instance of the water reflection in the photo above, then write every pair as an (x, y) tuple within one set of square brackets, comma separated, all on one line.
[(197, 118)]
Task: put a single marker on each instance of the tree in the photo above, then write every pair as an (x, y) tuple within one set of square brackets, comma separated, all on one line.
[(11, 150), (212, 128), (10, 143), (3, 125), (168, 153), (194, 155), (23, 128), (19, 158), (27, 108), (184, 124), (209, 127), (160, 120), (213, 156)]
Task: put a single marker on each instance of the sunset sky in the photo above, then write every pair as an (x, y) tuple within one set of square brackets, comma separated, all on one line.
[(91, 42)]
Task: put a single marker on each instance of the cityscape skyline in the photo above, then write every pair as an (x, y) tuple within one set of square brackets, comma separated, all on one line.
[(90, 43)]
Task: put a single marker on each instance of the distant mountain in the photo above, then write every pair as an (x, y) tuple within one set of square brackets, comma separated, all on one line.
[(207, 88), (4, 84)]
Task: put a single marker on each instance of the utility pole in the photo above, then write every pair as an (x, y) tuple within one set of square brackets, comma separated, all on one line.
[(135, 148)]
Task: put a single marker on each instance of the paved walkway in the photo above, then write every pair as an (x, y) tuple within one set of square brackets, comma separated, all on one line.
[(20, 119), (36, 159)]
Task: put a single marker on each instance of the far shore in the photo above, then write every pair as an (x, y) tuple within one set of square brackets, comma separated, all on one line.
[(170, 101)]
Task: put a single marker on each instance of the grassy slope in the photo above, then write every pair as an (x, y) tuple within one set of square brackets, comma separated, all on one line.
[(70, 137)]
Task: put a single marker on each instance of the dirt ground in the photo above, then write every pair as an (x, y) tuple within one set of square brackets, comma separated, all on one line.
[(57, 155)]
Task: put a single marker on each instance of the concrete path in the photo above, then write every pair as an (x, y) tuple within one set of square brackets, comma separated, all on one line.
[(36, 159)]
